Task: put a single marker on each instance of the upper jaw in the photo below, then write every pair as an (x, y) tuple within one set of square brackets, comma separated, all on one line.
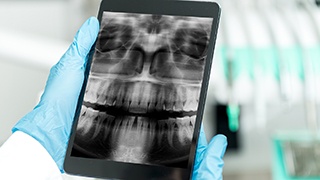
[(142, 97)]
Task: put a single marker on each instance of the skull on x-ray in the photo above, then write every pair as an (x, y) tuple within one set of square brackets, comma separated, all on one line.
[(143, 89)]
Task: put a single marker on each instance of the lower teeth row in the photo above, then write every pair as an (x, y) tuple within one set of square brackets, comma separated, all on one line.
[(95, 124)]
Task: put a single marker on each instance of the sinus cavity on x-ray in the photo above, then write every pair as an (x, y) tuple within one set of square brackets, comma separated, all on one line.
[(143, 89)]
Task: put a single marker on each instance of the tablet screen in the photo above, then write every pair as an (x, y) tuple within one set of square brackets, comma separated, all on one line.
[(143, 89)]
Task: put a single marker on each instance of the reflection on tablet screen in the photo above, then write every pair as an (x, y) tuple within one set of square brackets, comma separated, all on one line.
[(143, 89)]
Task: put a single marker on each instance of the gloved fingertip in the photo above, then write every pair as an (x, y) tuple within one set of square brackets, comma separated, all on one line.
[(218, 145), (86, 36)]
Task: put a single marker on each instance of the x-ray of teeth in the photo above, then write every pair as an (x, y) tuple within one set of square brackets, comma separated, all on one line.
[(143, 89)]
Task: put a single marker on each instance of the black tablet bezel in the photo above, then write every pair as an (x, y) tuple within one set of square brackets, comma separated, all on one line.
[(110, 169)]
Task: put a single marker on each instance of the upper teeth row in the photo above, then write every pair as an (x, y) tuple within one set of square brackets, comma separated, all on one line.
[(142, 96)]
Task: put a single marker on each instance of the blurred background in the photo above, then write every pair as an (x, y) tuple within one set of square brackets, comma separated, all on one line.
[(264, 89)]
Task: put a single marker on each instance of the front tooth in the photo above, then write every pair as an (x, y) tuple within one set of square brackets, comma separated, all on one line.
[(160, 98), (86, 121), (128, 96), (99, 121), (120, 95), (145, 94), (170, 95), (136, 105), (152, 98)]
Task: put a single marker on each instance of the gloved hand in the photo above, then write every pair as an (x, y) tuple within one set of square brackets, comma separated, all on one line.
[(208, 162), (51, 120)]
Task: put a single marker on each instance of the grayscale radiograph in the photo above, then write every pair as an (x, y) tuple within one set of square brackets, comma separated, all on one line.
[(143, 89)]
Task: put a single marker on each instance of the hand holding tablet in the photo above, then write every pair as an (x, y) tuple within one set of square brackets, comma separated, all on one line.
[(140, 108)]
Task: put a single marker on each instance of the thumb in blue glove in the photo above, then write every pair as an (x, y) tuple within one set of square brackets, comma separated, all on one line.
[(208, 162), (51, 120)]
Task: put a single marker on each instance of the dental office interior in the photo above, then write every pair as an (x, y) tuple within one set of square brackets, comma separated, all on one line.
[(264, 90)]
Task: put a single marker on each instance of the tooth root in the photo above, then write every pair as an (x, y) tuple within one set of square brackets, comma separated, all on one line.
[(86, 121), (107, 126), (161, 124), (171, 131), (99, 123), (127, 124), (152, 132)]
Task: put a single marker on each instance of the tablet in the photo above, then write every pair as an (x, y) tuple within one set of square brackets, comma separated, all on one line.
[(141, 105)]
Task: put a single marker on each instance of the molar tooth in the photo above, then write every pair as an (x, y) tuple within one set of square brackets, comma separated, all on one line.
[(191, 103), (111, 93), (184, 130), (99, 121), (91, 93), (86, 121), (102, 92)]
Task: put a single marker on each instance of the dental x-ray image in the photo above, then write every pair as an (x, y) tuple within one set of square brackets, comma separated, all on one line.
[(143, 89)]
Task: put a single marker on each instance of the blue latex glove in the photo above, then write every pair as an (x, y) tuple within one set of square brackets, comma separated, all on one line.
[(51, 120), (208, 163)]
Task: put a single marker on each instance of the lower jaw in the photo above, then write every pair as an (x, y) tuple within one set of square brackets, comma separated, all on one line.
[(137, 139)]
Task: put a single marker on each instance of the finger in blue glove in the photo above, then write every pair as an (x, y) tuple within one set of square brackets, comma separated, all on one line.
[(209, 157), (51, 120)]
